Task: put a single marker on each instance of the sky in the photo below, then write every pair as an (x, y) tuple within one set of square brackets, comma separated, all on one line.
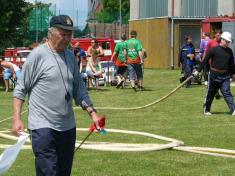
[(76, 9)]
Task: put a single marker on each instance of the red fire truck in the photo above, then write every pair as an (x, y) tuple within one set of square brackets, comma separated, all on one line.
[(16, 55), (107, 44)]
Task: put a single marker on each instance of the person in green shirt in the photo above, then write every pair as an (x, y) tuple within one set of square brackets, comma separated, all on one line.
[(120, 61), (135, 61)]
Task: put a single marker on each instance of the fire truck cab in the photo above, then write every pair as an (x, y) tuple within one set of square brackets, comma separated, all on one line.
[(107, 44)]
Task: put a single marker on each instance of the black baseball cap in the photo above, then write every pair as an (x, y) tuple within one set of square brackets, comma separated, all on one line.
[(62, 21), (133, 33)]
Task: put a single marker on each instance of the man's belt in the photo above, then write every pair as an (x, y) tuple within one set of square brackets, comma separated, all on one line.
[(218, 70)]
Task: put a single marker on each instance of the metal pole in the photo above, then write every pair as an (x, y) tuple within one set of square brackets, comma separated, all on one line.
[(120, 18), (73, 14), (172, 43), (83, 141)]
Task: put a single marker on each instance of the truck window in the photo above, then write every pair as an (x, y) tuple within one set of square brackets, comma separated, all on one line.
[(23, 54), (105, 45)]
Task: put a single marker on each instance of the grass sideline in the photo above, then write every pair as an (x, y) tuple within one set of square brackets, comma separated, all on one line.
[(180, 117)]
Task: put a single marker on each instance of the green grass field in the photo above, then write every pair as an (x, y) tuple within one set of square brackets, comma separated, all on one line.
[(180, 117)]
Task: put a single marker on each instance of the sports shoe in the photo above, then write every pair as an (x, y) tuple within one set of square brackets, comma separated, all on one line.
[(119, 84), (141, 88), (207, 113), (134, 88), (233, 114)]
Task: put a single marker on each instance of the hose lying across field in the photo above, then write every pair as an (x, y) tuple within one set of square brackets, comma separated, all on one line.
[(150, 104), (130, 147), (122, 147)]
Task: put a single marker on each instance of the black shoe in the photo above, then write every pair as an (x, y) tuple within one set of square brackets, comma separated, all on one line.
[(141, 88), (134, 88), (188, 86)]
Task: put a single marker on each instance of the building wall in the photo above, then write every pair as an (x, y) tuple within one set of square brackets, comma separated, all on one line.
[(226, 7), (153, 8), (134, 9), (199, 7), (155, 38), (110, 30), (159, 8), (92, 8)]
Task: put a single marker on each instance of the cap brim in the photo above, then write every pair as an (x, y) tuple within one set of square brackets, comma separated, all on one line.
[(226, 39), (64, 27)]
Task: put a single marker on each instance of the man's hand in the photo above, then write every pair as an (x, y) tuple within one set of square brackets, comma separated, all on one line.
[(99, 122), (17, 127), (195, 73), (17, 124)]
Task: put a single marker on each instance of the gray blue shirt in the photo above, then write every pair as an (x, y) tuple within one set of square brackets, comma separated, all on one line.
[(46, 77)]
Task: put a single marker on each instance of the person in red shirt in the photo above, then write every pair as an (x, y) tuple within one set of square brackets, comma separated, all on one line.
[(221, 69), (211, 44)]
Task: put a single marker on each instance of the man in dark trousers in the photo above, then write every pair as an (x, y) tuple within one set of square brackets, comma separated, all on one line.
[(211, 44), (51, 78), (187, 58), (221, 70), (135, 61)]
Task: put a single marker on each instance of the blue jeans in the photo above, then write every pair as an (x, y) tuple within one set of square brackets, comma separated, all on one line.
[(53, 151), (215, 82), (135, 70)]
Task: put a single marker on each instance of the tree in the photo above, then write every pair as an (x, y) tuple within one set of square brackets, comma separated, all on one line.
[(110, 13), (15, 23), (12, 21)]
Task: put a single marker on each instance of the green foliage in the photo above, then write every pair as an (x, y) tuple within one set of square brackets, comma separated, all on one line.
[(13, 21), (180, 116), (16, 21), (111, 11)]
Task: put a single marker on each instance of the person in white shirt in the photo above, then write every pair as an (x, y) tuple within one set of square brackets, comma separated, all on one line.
[(10, 70)]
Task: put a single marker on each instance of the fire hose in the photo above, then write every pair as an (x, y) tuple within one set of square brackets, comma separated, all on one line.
[(174, 144)]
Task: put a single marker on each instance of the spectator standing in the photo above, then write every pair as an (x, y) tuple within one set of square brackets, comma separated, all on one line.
[(203, 45), (221, 69), (120, 62), (135, 61), (187, 58), (79, 53), (10, 70), (51, 78)]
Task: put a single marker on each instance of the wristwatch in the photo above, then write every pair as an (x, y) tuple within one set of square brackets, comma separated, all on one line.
[(91, 111)]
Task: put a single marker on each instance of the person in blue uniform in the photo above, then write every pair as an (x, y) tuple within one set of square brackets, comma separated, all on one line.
[(187, 58)]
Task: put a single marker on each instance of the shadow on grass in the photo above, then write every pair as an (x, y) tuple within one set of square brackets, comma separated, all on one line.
[(98, 90), (145, 89), (221, 113)]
